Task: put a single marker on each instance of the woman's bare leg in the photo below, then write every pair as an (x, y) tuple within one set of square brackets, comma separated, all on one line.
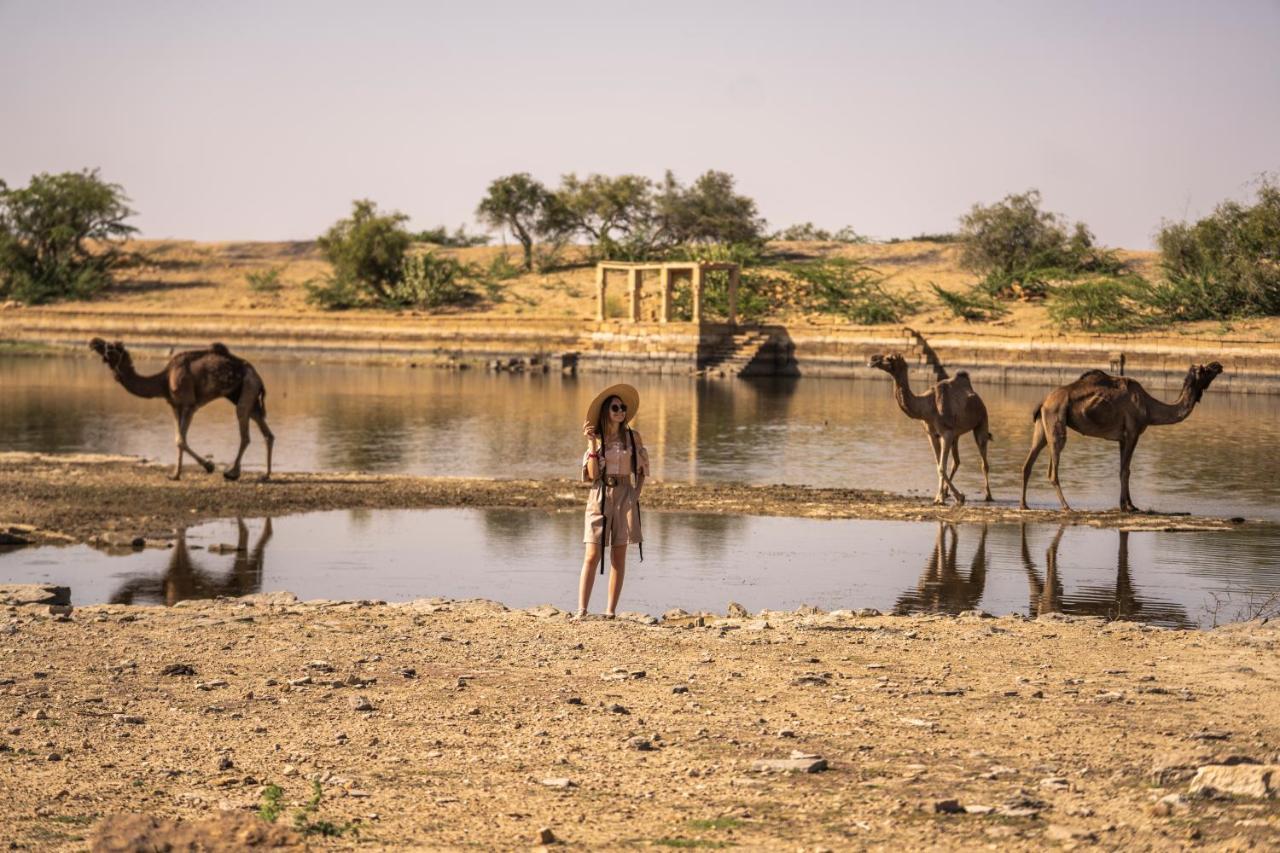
[(588, 579), (618, 565)]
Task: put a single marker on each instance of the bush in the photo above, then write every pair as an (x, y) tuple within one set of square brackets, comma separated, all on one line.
[(459, 239), (332, 293), (1225, 265), (1102, 304), (60, 236), (1020, 249), (429, 281), (974, 306), (809, 233), (850, 290), (367, 250), (265, 281)]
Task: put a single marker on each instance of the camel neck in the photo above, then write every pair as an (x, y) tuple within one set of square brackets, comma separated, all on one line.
[(914, 406), (1162, 413), (156, 385)]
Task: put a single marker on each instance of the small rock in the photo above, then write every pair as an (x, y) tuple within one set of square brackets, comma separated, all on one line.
[(979, 810), (558, 782), (1170, 805), (1109, 696), (289, 770), (40, 714), (409, 672), (53, 756), (178, 669), (225, 763), (1058, 832), (737, 611), (618, 709), (640, 744), (299, 682), (320, 666), (811, 764), (546, 836), (948, 807), (866, 611), (680, 688), (1209, 734), (573, 700), (1240, 780), (1055, 783), (210, 685), (131, 719), (360, 703)]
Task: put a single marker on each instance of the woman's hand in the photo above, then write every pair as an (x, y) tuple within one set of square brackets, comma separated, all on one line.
[(589, 430)]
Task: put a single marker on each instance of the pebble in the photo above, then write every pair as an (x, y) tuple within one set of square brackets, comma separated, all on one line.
[(558, 782), (680, 688), (546, 836), (210, 685), (640, 744), (360, 703), (299, 682), (131, 719), (1239, 780), (40, 714), (948, 807), (178, 669), (618, 709)]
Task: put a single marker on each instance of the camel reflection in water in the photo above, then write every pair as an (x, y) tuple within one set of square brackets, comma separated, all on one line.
[(941, 588), (1122, 602), (184, 578)]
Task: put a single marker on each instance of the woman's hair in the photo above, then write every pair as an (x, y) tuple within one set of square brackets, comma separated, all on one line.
[(603, 417)]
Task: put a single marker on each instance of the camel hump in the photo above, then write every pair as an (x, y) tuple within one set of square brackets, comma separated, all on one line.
[(219, 349), (1095, 374)]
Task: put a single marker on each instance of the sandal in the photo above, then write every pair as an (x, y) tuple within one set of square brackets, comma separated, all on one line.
[(580, 614), (610, 616)]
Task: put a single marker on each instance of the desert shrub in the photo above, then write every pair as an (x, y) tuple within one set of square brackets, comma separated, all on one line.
[(332, 293), (459, 239), (265, 281), (367, 250), (500, 268), (974, 306), (1102, 304), (60, 236), (850, 290), (1225, 265), (1020, 249), (431, 281), (808, 232)]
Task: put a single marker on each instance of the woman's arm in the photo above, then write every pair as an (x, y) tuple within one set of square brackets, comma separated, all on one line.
[(591, 459), (642, 458)]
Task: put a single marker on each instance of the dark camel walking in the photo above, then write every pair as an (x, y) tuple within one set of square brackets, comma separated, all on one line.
[(1112, 407), (189, 381)]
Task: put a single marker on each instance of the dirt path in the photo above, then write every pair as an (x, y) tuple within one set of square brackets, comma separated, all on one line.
[(447, 725), (114, 498)]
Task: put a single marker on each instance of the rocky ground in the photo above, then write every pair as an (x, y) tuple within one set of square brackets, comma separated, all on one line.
[(438, 724), (115, 500)]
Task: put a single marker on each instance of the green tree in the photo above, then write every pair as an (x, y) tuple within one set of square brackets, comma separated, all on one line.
[(1013, 235), (61, 235), (707, 211), (600, 206), (526, 208), (367, 249)]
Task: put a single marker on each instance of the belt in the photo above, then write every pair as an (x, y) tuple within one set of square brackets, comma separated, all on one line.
[(610, 480)]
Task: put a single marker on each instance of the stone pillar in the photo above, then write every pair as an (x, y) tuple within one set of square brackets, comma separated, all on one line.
[(698, 277), (633, 280), (665, 281), (734, 277), (600, 292)]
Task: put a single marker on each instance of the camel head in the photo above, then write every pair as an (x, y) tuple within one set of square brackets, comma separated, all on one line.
[(1200, 376), (113, 354), (891, 364)]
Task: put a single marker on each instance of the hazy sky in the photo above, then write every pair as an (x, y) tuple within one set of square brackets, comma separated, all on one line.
[(262, 120)]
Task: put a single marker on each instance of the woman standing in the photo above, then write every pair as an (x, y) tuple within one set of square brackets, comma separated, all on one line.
[(616, 464)]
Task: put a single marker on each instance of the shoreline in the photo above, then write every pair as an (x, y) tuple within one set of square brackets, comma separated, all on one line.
[(116, 500), (442, 724)]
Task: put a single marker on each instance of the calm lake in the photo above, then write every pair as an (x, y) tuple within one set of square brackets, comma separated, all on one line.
[(524, 557), (826, 432)]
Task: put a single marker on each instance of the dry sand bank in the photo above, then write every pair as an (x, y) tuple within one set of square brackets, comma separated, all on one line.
[(436, 724)]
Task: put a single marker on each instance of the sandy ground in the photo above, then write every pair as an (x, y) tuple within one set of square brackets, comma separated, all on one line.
[(116, 499), (445, 725)]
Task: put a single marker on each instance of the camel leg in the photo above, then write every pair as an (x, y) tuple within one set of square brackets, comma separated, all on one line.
[(944, 482), (935, 442), (242, 418), (267, 436), (177, 442), (1056, 432), (1037, 444), (1127, 446), (982, 437), (184, 424)]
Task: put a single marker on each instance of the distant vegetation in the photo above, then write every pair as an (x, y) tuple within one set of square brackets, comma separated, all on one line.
[(60, 236), (459, 239), (809, 233)]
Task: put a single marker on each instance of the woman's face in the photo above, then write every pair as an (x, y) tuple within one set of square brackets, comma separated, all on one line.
[(617, 411)]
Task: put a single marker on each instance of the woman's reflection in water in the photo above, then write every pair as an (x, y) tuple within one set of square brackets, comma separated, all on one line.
[(941, 588), (184, 578), (1122, 602)]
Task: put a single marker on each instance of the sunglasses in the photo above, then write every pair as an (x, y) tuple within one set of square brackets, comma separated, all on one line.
[(617, 407)]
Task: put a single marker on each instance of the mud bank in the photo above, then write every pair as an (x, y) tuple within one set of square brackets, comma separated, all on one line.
[(117, 499), (447, 724)]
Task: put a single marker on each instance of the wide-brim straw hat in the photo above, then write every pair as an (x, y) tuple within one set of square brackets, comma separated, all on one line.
[(628, 395)]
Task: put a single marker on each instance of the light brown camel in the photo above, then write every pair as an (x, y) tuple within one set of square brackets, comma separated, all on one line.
[(949, 409), (1112, 407), (190, 380)]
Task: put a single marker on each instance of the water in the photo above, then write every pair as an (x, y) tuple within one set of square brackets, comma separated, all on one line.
[(523, 558), (825, 432)]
